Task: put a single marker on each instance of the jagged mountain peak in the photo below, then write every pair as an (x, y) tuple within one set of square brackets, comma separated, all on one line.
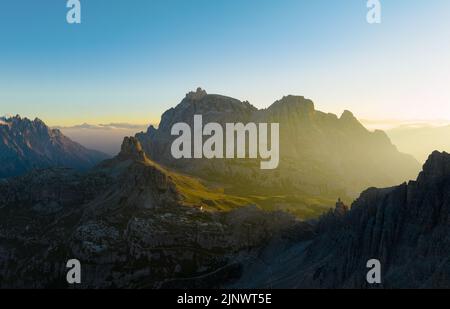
[(31, 129), (347, 115), (290, 102), (27, 144), (350, 121), (132, 149), (201, 101), (435, 168), (196, 95), (212, 107), (19, 123), (151, 130), (38, 121)]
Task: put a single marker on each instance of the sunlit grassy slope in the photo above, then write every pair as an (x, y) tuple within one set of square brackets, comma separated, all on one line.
[(212, 197)]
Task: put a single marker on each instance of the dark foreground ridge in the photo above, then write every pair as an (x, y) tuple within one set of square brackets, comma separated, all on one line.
[(405, 227)]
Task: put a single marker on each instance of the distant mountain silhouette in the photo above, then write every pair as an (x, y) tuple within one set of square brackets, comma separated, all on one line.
[(26, 145), (322, 156), (405, 227)]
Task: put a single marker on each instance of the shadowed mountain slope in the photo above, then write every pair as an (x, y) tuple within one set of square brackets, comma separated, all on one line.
[(405, 227), (26, 145)]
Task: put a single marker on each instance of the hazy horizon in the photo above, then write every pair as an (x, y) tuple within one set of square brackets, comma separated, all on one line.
[(369, 123)]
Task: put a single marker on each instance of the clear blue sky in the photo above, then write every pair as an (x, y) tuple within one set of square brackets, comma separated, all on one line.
[(131, 60)]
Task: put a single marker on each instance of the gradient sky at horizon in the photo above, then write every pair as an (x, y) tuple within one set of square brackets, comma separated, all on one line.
[(129, 61)]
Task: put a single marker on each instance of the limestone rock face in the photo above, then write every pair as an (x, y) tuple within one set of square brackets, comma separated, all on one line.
[(320, 154)]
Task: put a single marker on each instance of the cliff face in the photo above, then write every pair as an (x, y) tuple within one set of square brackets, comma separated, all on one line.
[(26, 145), (405, 227)]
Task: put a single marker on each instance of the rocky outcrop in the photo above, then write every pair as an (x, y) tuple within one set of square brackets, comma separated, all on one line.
[(26, 145), (405, 227), (132, 149), (341, 209), (141, 183)]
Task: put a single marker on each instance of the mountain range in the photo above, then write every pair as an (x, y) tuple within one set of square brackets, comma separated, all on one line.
[(144, 220), (322, 156), (29, 144)]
